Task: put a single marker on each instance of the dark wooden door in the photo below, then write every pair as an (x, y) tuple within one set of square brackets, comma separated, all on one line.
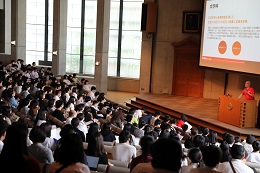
[(187, 76)]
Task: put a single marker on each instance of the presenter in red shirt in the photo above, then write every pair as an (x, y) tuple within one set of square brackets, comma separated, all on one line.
[(248, 92)]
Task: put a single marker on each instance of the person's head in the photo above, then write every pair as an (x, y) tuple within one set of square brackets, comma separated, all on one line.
[(213, 137), (167, 118), (3, 129), (183, 118), (6, 111), (237, 151), (80, 116), (106, 128), (75, 122), (224, 146), (198, 141), (51, 103), (46, 128), (212, 156), (59, 104), (71, 150), (71, 100), (229, 138), (37, 135), (41, 115), (247, 84), (237, 139), (146, 143), (93, 128), (147, 129), (95, 145), (58, 93), (115, 106), (129, 118), (162, 153), (195, 155), (157, 123), (250, 139), (124, 136), (184, 127), (95, 103), (205, 131), (164, 134), (67, 129), (256, 146), (108, 111), (79, 107), (157, 114), (93, 88)]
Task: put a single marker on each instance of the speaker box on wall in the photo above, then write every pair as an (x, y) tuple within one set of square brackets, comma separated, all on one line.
[(149, 17)]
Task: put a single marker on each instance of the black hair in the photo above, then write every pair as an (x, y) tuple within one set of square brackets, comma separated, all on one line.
[(195, 155), (37, 135), (146, 143), (256, 146), (58, 103), (198, 141), (80, 116), (162, 152), (71, 150), (46, 127), (212, 156), (3, 127), (75, 122), (250, 139), (237, 151), (124, 136), (225, 152), (229, 138)]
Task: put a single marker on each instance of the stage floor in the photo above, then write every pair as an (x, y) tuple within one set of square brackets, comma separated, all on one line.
[(199, 111)]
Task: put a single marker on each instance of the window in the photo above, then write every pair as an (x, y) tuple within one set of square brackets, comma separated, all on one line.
[(39, 14), (125, 38), (80, 55)]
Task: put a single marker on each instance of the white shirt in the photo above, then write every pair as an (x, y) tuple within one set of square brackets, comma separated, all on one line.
[(56, 98), (49, 143), (120, 148), (86, 88), (92, 95), (253, 157), (34, 75), (240, 167), (83, 127), (68, 120), (67, 81), (39, 122), (1, 146), (67, 96), (248, 147)]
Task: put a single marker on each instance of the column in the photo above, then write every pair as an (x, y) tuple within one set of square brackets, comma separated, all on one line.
[(59, 37), (146, 60), (20, 29), (102, 42)]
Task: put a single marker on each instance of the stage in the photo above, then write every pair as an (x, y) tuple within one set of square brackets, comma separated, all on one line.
[(199, 112)]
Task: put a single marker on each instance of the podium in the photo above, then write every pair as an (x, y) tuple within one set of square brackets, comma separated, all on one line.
[(239, 113)]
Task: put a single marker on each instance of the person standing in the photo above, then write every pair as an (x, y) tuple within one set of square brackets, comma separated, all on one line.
[(248, 92)]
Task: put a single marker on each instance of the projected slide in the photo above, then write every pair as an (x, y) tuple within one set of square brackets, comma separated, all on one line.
[(231, 35)]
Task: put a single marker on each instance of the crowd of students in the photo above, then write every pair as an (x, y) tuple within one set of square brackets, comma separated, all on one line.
[(167, 145)]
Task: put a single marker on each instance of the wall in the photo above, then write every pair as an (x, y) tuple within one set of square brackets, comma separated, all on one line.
[(123, 84), (169, 29)]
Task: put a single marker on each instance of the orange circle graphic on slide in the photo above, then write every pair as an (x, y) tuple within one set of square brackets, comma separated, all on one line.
[(222, 47), (236, 48)]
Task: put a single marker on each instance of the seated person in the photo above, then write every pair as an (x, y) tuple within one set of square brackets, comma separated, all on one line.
[(124, 147)]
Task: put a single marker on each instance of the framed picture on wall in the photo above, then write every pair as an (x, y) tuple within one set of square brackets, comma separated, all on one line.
[(191, 22)]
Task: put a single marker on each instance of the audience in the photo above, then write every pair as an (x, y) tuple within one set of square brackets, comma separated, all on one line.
[(70, 156), (40, 98)]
